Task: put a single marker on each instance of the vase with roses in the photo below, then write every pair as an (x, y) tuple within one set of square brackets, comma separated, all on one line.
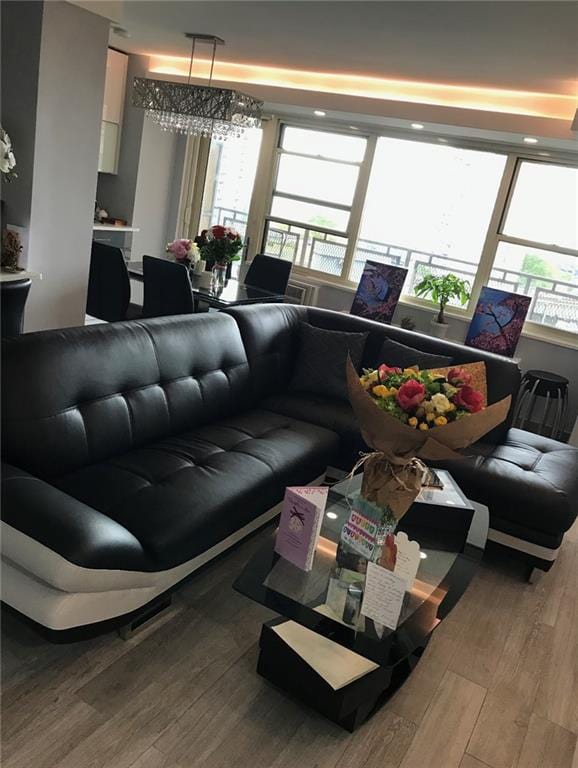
[(220, 246)]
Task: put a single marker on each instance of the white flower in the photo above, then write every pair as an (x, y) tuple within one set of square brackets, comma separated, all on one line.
[(440, 403), (7, 159)]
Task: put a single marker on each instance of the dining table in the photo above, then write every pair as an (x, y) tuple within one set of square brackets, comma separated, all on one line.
[(232, 293)]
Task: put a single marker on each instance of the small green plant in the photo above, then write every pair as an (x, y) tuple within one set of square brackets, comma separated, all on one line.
[(442, 288)]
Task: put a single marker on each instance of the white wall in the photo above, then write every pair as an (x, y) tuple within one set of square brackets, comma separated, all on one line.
[(532, 353), (156, 176), (69, 107)]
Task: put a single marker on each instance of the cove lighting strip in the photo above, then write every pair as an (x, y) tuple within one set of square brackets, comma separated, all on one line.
[(550, 105)]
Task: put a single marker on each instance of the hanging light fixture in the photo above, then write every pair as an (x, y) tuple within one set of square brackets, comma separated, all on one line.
[(198, 110)]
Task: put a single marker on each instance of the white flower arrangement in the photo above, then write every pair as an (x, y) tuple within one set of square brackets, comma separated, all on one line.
[(7, 159)]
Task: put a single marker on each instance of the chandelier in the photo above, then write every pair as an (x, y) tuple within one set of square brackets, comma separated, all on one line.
[(197, 110)]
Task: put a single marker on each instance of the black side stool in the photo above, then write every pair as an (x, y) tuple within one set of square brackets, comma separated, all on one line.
[(554, 388), (13, 295)]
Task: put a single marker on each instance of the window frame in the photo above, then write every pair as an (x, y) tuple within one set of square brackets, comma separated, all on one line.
[(515, 156), (351, 232)]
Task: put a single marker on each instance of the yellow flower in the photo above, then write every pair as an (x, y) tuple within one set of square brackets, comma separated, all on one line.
[(412, 422), (451, 408), (423, 426), (381, 391), (411, 372), (428, 406), (430, 416), (440, 421)]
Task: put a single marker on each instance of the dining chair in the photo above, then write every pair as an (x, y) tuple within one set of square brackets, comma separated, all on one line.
[(108, 296), (269, 273), (167, 288)]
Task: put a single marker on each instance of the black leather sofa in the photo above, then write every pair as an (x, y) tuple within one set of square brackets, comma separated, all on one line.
[(137, 451)]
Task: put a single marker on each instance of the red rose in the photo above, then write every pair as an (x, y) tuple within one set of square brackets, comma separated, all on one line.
[(410, 394), (385, 371), (218, 232), (469, 398), (232, 234), (458, 375)]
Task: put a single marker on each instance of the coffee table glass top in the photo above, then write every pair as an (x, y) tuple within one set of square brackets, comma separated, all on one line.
[(451, 542)]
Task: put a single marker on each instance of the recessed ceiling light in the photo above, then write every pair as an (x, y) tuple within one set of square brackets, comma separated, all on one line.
[(319, 113), (417, 126), (332, 515), (530, 140), (353, 127), (423, 555)]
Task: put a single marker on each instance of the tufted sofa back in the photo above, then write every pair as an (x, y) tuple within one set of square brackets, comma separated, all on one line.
[(75, 396)]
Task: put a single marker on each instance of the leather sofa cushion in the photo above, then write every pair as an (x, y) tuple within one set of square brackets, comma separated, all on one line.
[(79, 396), (395, 354), (181, 495), (534, 478), (331, 413), (321, 360)]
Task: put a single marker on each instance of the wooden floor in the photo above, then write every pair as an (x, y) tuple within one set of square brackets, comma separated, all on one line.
[(498, 687)]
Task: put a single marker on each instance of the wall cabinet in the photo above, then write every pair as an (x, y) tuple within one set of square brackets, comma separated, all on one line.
[(114, 91)]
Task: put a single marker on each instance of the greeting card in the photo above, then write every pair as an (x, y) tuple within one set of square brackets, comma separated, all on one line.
[(300, 524)]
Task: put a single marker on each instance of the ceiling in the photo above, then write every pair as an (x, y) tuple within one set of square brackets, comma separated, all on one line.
[(528, 46)]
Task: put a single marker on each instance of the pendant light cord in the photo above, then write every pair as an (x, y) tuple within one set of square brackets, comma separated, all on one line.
[(212, 62), (191, 64)]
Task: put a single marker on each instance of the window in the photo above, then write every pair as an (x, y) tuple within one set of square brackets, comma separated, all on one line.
[(427, 208), (229, 181), (537, 251), (315, 183)]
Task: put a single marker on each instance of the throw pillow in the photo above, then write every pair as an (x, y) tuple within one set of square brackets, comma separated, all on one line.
[(396, 354), (321, 358)]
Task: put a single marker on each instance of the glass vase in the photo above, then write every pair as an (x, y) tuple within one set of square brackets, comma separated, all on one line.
[(219, 277)]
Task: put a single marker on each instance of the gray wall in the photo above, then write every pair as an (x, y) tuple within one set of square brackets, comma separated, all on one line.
[(21, 35), (531, 352), (153, 193), (146, 189), (116, 192)]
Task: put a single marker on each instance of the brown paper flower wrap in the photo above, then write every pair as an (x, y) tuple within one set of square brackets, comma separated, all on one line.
[(393, 472)]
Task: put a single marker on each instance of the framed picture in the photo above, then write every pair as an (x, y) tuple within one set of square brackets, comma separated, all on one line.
[(378, 291), (498, 320)]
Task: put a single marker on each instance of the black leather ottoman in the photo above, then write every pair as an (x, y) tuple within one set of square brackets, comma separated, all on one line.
[(530, 485)]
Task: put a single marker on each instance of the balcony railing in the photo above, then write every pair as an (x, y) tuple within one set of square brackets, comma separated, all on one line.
[(554, 302)]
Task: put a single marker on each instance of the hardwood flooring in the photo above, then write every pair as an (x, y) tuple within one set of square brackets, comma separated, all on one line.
[(496, 688)]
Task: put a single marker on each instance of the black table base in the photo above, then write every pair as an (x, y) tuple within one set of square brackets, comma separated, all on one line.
[(349, 706)]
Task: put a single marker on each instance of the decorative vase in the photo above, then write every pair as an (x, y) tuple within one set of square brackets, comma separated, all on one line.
[(439, 330), (219, 277)]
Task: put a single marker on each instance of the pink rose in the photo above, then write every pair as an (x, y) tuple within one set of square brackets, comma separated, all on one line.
[(468, 398), (410, 395), (386, 370), (459, 376)]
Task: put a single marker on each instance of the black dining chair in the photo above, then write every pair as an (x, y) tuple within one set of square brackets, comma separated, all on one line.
[(108, 296), (269, 273), (167, 288), (13, 295)]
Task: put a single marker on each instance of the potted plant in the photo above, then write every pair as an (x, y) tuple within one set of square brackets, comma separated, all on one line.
[(442, 288)]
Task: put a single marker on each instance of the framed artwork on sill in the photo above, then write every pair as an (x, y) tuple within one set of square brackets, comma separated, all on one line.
[(498, 321), (378, 291)]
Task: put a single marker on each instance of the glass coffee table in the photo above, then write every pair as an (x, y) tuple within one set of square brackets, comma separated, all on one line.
[(321, 649)]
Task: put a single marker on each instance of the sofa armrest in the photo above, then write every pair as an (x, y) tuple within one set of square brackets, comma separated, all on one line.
[(78, 533)]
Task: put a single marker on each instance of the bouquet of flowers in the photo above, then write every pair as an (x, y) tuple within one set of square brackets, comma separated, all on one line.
[(184, 251), (407, 416), (423, 399), (221, 245)]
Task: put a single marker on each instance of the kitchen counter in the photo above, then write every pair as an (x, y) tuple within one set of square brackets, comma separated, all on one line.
[(113, 228)]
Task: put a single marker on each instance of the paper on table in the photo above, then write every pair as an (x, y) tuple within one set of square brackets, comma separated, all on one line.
[(383, 595), (408, 557)]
